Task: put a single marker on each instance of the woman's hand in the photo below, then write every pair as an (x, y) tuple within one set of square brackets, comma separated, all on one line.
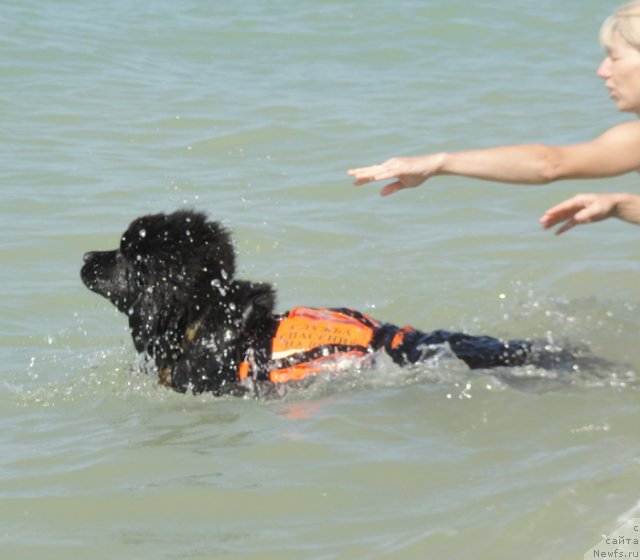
[(409, 172), (589, 208)]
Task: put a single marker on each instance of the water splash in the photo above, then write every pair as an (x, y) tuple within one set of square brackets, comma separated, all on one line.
[(593, 341)]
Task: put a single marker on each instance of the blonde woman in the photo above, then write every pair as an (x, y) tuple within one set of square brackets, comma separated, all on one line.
[(615, 152)]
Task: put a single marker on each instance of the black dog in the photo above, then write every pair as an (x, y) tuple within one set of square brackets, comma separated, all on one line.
[(173, 276)]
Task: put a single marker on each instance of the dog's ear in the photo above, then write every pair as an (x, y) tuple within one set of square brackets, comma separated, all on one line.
[(158, 327)]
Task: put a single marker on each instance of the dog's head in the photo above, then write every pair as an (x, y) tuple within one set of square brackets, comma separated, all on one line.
[(165, 270)]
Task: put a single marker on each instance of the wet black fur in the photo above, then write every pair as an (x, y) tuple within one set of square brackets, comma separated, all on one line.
[(173, 276)]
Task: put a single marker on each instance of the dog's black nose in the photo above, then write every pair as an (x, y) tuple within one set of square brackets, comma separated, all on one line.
[(88, 256)]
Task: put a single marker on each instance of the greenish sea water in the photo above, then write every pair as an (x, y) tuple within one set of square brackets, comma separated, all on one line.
[(253, 112)]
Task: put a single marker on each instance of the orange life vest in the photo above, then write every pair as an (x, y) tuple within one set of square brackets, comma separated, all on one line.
[(308, 341)]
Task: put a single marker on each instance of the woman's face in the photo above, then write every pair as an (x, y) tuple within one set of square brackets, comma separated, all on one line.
[(620, 71)]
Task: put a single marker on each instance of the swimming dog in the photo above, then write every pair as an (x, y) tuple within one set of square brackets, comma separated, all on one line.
[(173, 275)]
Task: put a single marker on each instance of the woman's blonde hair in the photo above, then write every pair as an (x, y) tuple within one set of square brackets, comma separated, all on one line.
[(625, 22)]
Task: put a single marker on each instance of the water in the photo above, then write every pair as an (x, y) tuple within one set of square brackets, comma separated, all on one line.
[(253, 112)]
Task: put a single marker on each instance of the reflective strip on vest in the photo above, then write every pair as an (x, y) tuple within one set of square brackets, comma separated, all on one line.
[(336, 362)]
